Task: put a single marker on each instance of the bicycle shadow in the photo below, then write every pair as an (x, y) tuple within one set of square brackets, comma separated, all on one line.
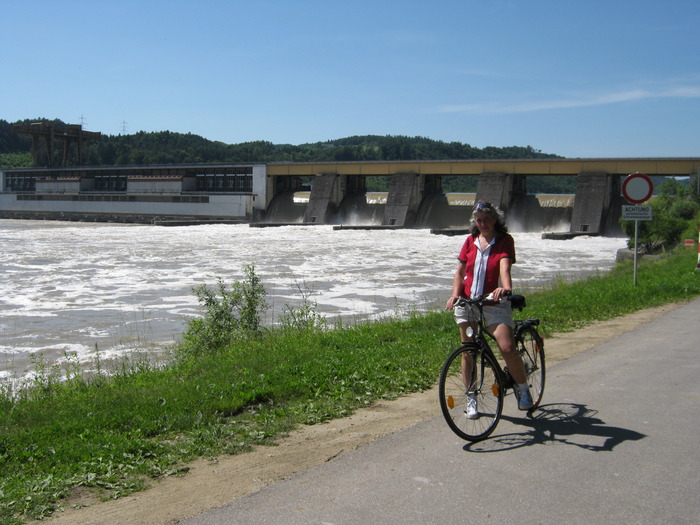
[(563, 423)]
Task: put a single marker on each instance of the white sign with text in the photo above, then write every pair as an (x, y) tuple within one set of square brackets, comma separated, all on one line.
[(636, 213)]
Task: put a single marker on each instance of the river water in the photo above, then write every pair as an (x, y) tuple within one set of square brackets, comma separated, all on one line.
[(69, 291)]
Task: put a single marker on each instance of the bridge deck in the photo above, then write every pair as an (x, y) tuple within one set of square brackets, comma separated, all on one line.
[(619, 166)]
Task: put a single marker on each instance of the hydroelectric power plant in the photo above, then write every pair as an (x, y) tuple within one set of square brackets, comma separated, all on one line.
[(332, 193)]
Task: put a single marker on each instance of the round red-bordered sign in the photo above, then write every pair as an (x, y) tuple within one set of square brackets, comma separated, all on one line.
[(637, 188)]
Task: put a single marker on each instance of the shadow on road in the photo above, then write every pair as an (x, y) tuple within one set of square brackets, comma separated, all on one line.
[(561, 423)]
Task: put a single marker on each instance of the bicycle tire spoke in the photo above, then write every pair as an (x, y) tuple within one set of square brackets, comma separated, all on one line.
[(453, 395)]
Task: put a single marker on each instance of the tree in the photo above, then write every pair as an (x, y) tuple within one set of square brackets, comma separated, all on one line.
[(166, 147)]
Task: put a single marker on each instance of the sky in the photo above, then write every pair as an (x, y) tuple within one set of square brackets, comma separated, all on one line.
[(586, 78)]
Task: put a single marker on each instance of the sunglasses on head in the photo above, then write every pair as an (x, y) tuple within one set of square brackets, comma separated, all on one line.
[(483, 206)]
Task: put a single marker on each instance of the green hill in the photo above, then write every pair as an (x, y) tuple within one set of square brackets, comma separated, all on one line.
[(166, 147)]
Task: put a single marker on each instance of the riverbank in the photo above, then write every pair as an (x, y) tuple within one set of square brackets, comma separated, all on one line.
[(111, 437), (213, 482)]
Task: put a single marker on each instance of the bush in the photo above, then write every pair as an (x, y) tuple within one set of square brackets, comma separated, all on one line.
[(673, 213), (662, 232), (229, 313), (683, 209)]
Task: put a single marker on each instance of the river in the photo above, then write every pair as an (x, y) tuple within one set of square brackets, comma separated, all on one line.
[(70, 290)]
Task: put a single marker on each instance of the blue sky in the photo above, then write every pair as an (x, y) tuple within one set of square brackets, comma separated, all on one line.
[(591, 78)]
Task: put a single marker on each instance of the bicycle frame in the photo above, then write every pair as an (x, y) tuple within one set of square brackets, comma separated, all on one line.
[(480, 343), (473, 383)]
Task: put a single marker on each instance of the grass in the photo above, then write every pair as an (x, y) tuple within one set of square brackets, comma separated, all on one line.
[(571, 306), (114, 434)]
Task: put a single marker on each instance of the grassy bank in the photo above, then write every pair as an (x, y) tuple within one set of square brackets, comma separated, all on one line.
[(114, 434)]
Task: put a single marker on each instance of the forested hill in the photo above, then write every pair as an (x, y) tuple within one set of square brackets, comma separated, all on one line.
[(166, 147)]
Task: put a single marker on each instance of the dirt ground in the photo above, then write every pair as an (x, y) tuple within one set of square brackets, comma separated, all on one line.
[(216, 481)]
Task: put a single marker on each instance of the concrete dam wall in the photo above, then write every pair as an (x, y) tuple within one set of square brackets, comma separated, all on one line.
[(438, 211), (417, 201), (335, 193)]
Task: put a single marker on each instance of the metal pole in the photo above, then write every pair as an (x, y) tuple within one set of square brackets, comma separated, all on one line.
[(636, 234), (698, 266)]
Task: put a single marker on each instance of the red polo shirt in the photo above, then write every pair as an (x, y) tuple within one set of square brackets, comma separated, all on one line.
[(503, 247)]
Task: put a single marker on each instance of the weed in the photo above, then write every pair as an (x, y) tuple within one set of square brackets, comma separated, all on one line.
[(305, 317)]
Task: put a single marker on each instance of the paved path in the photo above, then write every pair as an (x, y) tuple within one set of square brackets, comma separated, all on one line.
[(615, 441)]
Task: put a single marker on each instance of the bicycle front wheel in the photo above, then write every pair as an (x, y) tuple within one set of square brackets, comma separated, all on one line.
[(531, 349), (471, 376)]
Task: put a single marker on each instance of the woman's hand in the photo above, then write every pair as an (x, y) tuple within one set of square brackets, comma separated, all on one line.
[(451, 302), (500, 293)]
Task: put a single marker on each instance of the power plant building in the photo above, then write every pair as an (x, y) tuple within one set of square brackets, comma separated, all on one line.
[(136, 194)]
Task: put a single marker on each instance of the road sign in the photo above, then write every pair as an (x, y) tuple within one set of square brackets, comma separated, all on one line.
[(636, 213), (637, 188)]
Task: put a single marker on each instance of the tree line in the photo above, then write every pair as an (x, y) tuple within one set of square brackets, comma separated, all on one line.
[(166, 147)]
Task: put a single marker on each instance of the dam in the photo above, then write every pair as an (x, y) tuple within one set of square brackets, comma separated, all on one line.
[(332, 193), (444, 212)]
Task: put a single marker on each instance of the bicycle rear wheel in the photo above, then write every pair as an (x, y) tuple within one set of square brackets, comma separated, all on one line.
[(485, 386), (531, 349)]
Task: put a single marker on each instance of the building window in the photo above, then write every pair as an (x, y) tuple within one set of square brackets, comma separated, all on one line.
[(110, 183), (20, 183), (225, 183)]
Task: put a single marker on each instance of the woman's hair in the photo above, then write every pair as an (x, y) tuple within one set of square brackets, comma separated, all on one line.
[(487, 207)]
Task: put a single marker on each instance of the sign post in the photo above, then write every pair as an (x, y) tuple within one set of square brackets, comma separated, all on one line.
[(636, 189)]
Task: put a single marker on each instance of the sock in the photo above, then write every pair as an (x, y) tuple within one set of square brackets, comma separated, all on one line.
[(523, 387)]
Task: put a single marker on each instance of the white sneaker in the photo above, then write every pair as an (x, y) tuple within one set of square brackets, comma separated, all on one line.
[(525, 400), (472, 411)]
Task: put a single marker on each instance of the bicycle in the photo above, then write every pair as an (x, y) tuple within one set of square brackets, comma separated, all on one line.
[(486, 380)]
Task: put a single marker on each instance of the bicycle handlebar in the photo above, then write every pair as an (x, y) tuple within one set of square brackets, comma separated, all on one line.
[(482, 298), (516, 301)]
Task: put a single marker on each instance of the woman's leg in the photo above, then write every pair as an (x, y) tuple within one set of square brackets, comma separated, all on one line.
[(466, 358), (468, 379), (504, 336), (506, 344)]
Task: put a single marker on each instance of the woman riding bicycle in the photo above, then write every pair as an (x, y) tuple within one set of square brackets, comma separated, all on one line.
[(484, 267)]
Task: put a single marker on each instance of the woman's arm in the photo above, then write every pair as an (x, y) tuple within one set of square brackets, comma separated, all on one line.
[(457, 284), (505, 278)]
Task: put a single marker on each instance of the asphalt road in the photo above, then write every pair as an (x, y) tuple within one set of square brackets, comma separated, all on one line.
[(615, 441)]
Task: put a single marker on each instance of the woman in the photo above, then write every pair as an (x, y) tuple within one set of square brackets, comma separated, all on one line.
[(484, 268)]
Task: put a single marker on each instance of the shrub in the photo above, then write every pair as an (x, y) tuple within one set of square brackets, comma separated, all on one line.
[(229, 313), (683, 209), (672, 212)]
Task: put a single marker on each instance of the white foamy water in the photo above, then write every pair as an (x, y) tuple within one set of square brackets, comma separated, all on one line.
[(67, 288)]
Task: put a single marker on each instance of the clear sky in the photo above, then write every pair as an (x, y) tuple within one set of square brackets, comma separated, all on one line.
[(579, 78)]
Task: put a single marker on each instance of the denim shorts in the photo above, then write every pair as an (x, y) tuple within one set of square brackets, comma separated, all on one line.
[(501, 313)]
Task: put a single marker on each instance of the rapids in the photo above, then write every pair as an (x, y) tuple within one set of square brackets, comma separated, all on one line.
[(69, 289)]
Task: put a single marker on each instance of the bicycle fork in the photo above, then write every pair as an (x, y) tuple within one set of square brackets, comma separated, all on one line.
[(476, 389)]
